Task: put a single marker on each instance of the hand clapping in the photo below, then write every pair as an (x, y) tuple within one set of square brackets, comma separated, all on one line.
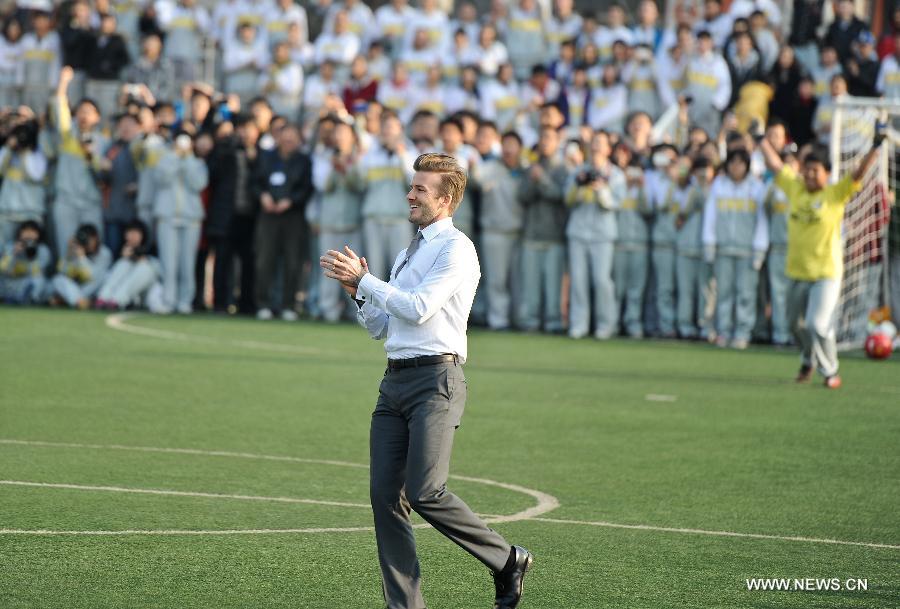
[(348, 268)]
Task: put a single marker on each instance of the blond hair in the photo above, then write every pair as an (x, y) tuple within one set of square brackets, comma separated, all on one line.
[(453, 178)]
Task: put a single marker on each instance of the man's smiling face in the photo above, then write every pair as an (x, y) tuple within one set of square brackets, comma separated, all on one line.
[(425, 205)]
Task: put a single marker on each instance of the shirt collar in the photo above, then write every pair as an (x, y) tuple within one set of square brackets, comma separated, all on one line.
[(433, 230)]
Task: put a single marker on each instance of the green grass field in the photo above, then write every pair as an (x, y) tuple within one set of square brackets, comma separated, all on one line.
[(253, 436)]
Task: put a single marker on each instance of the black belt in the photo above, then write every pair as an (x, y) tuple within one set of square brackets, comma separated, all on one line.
[(424, 360)]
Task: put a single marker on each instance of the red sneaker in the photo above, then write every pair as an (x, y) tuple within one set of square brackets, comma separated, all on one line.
[(804, 375), (833, 382)]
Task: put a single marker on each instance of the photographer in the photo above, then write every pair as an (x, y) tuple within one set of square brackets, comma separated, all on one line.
[(180, 177), (595, 192), (119, 176), (23, 169), (22, 266), (82, 270), (80, 149), (133, 274)]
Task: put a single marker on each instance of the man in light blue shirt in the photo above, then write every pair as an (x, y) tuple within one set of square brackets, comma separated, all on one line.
[(422, 313)]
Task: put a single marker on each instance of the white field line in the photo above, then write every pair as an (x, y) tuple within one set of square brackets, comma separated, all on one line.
[(647, 527), (117, 321), (660, 397), (159, 491)]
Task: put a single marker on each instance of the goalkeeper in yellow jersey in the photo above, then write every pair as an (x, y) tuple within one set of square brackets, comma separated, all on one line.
[(815, 252)]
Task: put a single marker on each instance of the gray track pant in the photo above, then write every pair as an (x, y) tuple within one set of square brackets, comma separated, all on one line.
[(811, 307)]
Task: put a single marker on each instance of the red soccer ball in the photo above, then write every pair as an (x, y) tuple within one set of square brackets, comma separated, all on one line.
[(878, 346)]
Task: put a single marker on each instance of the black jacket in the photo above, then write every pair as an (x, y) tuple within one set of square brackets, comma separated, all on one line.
[(842, 38), (228, 167), (108, 57), (289, 178)]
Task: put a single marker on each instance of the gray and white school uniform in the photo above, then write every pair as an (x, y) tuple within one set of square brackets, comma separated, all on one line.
[(10, 58), (543, 247), (242, 64), (340, 222), (185, 29), (501, 221), (80, 278), (641, 80), (39, 68), (22, 193), (778, 207), (631, 260), (78, 198), (147, 151), (591, 233), (23, 281), (128, 281), (609, 106), (383, 178), (692, 273), (525, 42), (663, 237), (736, 229), (288, 94), (178, 212), (709, 83)]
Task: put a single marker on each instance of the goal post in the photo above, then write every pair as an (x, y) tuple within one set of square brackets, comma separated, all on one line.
[(865, 226)]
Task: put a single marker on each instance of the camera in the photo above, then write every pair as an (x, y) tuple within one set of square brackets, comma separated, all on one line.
[(26, 134), (30, 248), (586, 177), (82, 237)]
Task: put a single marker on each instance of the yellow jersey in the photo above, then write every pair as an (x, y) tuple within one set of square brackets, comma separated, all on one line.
[(814, 247)]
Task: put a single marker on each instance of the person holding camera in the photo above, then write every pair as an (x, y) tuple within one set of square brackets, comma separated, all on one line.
[(133, 274), (23, 265), (180, 178), (23, 168), (594, 193), (119, 176), (81, 272), (80, 146)]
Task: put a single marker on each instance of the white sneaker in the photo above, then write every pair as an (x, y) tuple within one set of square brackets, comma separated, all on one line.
[(288, 315), (739, 343), (264, 314), (184, 309)]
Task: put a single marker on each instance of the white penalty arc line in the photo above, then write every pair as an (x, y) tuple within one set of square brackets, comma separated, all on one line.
[(118, 321), (173, 493)]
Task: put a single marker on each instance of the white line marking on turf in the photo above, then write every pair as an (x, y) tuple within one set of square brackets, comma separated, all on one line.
[(660, 397), (117, 321), (155, 491), (545, 502), (647, 527)]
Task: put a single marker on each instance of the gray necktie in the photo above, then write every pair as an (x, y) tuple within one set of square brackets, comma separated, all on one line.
[(413, 246)]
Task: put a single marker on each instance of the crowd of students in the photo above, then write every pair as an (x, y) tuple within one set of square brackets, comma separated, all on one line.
[(179, 155)]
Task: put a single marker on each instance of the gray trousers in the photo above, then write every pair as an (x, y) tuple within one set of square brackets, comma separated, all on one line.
[(590, 266), (694, 296), (498, 259), (630, 280), (664, 272), (177, 244), (127, 281), (735, 296), (811, 307), (67, 217), (543, 263), (332, 298), (778, 291), (411, 438)]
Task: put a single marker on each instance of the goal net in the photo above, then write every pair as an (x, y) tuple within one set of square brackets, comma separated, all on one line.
[(864, 289)]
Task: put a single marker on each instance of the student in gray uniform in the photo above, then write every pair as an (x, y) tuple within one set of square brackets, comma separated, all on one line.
[(735, 239), (501, 220), (525, 38), (120, 177), (133, 274), (41, 59), (340, 215), (543, 246), (595, 192), (180, 178), (23, 169), (692, 273), (661, 186), (23, 263), (81, 271), (79, 148), (383, 174), (631, 260), (777, 208)]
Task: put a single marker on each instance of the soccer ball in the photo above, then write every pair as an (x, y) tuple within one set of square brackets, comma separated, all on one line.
[(878, 346)]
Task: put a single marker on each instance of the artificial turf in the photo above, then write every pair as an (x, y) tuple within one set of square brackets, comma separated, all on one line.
[(636, 433)]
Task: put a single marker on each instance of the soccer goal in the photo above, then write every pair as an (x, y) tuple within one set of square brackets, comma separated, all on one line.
[(864, 287)]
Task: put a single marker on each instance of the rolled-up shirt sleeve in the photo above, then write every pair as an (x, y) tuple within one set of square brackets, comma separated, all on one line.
[(417, 305)]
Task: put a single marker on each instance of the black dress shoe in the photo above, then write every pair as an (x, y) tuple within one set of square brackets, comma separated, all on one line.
[(509, 583)]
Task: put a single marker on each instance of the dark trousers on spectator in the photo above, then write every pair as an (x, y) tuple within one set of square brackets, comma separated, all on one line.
[(279, 235), (239, 242)]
